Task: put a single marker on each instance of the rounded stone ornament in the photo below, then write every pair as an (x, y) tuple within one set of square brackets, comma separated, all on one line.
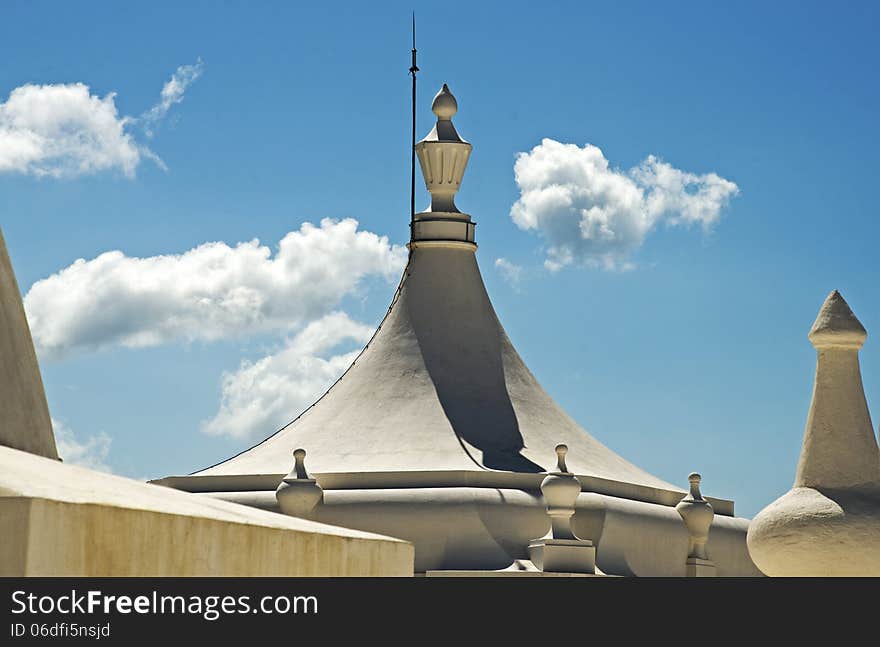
[(298, 493), (697, 514), (810, 533), (444, 106), (561, 488)]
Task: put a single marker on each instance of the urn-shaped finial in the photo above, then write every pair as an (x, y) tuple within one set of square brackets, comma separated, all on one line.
[(561, 490), (561, 550), (298, 493), (443, 156), (697, 514)]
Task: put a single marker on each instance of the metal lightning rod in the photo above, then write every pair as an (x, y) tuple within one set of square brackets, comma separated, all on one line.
[(412, 185)]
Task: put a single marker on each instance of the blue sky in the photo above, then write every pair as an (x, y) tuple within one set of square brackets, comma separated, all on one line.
[(690, 354)]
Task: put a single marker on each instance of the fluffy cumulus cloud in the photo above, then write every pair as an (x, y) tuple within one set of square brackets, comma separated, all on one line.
[(172, 93), (266, 394), (63, 130), (89, 452), (590, 213), (210, 292)]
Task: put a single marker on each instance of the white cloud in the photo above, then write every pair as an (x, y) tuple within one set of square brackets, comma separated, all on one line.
[(210, 292), (264, 395), (510, 272), (172, 93), (592, 214), (91, 452), (64, 130)]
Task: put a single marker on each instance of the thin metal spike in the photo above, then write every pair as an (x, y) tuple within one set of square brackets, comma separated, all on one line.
[(412, 187)]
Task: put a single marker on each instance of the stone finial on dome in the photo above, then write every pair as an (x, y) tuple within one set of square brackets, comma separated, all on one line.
[(444, 108), (561, 550), (836, 325), (697, 514), (443, 157), (839, 448), (298, 493), (444, 105)]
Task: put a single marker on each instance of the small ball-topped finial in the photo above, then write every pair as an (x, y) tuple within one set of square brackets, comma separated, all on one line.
[(561, 451), (697, 514), (444, 105), (561, 550)]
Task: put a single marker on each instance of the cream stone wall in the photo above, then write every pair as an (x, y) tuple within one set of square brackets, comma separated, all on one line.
[(62, 520)]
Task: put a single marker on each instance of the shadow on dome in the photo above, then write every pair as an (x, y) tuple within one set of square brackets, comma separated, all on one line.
[(464, 361)]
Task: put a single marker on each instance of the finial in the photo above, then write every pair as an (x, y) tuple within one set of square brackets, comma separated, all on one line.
[(443, 156), (561, 451), (839, 448), (828, 524), (697, 514), (561, 550), (836, 325), (444, 105), (298, 493)]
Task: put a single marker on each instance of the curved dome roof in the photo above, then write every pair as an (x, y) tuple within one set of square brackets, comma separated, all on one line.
[(439, 387)]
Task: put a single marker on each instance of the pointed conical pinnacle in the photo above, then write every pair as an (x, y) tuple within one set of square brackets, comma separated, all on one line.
[(836, 325)]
